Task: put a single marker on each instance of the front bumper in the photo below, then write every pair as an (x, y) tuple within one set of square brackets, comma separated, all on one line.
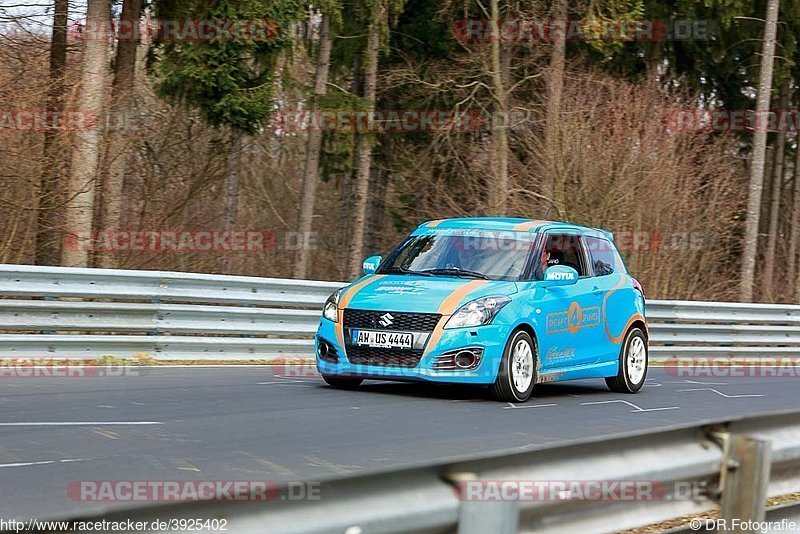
[(490, 338)]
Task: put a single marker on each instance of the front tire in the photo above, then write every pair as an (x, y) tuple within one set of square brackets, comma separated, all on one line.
[(342, 382), (517, 373), (633, 362)]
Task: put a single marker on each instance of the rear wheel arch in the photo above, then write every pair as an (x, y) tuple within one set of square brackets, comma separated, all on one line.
[(622, 381), (641, 325)]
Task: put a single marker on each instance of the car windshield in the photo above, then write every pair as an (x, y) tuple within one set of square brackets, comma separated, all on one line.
[(496, 257)]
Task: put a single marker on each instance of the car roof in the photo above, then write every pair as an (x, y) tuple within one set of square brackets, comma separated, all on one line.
[(508, 224)]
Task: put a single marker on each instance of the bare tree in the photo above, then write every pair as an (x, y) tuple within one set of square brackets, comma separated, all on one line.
[(759, 147), (364, 148), (794, 231), (122, 89), (775, 199), (231, 193), (498, 187), (313, 146), (554, 174), (51, 198), (80, 189)]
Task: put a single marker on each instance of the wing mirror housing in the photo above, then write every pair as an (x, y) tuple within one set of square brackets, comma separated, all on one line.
[(560, 275), (370, 265)]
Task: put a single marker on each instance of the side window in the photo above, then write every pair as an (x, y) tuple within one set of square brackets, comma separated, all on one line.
[(562, 249), (601, 253)]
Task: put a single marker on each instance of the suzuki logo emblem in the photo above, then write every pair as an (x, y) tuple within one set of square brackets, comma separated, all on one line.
[(386, 320)]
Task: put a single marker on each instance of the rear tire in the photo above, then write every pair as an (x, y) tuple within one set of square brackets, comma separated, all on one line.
[(517, 373), (342, 382), (633, 362)]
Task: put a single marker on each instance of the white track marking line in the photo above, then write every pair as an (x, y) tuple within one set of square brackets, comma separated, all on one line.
[(81, 423), (632, 405), (721, 394), (285, 382), (44, 462), (518, 407)]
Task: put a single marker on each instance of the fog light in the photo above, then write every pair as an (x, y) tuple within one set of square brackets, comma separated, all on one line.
[(465, 359)]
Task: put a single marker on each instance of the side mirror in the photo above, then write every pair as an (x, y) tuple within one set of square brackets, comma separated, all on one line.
[(560, 275), (371, 264)]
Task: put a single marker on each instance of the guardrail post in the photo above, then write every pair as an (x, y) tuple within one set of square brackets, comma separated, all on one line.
[(481, 516), (499, 517), (745, 476)]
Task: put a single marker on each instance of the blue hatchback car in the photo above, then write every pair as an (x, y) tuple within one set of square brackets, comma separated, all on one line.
[(509, 303)]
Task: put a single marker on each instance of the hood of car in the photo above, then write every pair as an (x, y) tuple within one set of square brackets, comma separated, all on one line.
[(422, 294)]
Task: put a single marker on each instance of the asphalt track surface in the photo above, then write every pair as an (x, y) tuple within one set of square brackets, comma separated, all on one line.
[(243, 423)]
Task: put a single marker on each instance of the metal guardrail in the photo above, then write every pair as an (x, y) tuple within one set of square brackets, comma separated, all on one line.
[(729, 464), (79, 313), (87, 313)]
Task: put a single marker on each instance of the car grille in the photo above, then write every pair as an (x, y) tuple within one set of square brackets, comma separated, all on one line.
[(383, 357), (401, 321)]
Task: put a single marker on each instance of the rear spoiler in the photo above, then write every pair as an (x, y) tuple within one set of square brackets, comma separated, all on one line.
[(608, 233)]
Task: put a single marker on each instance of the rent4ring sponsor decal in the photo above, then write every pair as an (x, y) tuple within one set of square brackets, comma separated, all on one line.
[(574, 319)]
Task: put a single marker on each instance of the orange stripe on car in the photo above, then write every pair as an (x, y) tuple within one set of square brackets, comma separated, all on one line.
[(528, 225), (434, 224), (634, 317), (344, 300), (448, 307), (618, 339)]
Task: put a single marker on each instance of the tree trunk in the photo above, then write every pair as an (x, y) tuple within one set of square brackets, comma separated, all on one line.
[(346, 183), (361, 189), (313, 145), (498, 188), (116, 157), (763, 217), (51, 196), (78, 214), (794, 231), (555, 180), (759, 146), (379, 180), (231, 196), (775, 200)]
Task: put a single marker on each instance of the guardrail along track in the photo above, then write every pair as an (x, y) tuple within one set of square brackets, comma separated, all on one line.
[(81, 313), (732, 465)]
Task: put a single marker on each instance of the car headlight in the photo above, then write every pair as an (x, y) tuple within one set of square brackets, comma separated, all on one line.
[(330, 310), (478, 312)]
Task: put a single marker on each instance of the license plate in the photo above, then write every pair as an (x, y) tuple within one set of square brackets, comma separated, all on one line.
[(384, 340)]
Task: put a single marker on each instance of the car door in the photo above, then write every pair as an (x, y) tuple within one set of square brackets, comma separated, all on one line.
[(568, 316), (604, 267)]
